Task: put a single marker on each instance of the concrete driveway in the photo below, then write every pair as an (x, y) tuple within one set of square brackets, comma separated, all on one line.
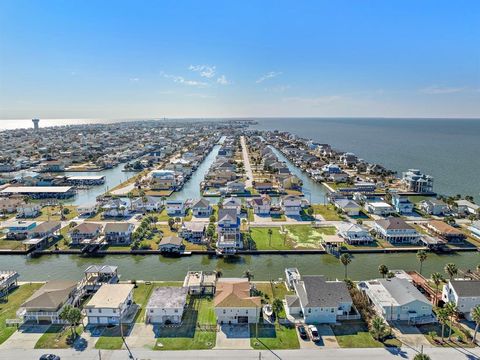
[(141, 337), (409, 335), (327, 339), (25, 337), (233, 337)]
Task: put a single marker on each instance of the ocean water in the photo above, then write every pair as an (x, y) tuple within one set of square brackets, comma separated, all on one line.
[(447, 149)]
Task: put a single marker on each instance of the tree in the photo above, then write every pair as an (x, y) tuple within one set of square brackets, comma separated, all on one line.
[(421, 356), (171, 222), (475, 314), (383, 270), (451, 270), (437, 280), (442, 317), (277, 306), (421, 256), (248, 274), (345, 260), (379, 329), (73, 316), (451, 310), (270, 233)]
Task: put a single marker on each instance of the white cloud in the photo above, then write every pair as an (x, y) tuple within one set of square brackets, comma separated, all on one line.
[(436, 90), (267, 76), (222, 80), (205, 71), (278, 89), (182, 80), (314, 100), (134, 79)]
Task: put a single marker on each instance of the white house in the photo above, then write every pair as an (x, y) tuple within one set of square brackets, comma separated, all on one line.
[(260, 205), (349, 207), (292, 205), (475, 229), (466, 207), (464, 293), (119, 233), (354, 233), (398, 299), (110, 305), (29, 210), (202, 208), (434, 207), (379, 208), (85, 231), (175, 208), (115, 208), (232, 203), (234, 303), (166, 305), (402, 204), (193, 231), (319, 301), (396, 230), (415, 181), (147, 203)]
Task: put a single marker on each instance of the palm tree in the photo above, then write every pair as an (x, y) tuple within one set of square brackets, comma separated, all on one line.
[(451, 309), (270, 233), (421, 356), (451, 270), (248, 274), (378, 328), (475, 314), (437, 280), (442, 317), (383, 270), (421, 256), (73, 316), (346, 259)]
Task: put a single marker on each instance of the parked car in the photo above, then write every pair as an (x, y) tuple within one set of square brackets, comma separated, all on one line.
[(49, 357), (302, 332), (314, 333)]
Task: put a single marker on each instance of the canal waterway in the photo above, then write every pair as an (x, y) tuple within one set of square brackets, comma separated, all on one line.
[(263, 267)]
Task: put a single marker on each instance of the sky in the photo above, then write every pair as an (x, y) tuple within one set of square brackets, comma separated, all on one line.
[(152, 59)]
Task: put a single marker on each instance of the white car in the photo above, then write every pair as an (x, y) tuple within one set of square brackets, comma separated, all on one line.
[(314, 333)]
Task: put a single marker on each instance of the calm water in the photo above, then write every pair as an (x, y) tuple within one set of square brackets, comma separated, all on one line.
[(447, 149), (264, 267)]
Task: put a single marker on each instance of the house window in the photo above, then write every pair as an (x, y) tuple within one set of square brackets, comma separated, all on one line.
[(99, 311), (176, 310), (309, 311), (224, 312), (114, 311), (89, 310)]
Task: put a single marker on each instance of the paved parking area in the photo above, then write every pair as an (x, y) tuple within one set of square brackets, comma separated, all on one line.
[(327, 339), (233, 337), (142, 336), (409, 335), (25, 337)]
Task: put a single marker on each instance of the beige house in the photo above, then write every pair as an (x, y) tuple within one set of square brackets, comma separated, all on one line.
[(110, 305)]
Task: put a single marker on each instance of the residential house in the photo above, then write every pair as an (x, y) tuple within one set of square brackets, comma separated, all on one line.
[(171, 244), (175, 208), (379, 208), (193, 231), (401, 204), (292, 182), (147, 204), (112, 304), (434, 207), (115, 208), (445, 231), (263, 186), (234, 303), (232, 203), (235, 187), (163, 180), (466, 207), (202, 208), (47, 303), (200, 282), (97, 275), (85, 232), (317, 300), (415, 181), (463, 293), (166, 305), (475, 229), (332, 169), (349, 207), (228, 230), (10, 205), (260, 205), (396, 231), (8, 281), (354, 234), (397, 299), (292, 205), (19, 230), (45, 229), (119, 233), (30, 210)]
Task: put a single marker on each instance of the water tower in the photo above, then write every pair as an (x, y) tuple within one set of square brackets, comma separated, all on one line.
[(35, 124)]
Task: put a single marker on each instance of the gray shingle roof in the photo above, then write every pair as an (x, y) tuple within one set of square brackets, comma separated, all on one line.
[(315, 291), (466, 287)]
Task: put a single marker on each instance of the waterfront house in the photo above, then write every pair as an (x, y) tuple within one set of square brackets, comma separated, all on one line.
[(147, 204), (331, 169), (318, 301), (349, 207), (119, 233), (260, 205), (465, 207), (263, 186), (97, 275), (396, 231), (112, 304), (415, 181), (354, 234), (115, 208), (292, 276), (228, 230), (291, 182), (175, 208), (200, 282), (397, 299), (8, 281), (463, 293), (434, 207), (163, 180), (235, 187), (19, 230), (234, 303), (47, 303), (337, 177), (193, 231), (171, 244), (232, 203), (379, 208), (29, 210), (445, 231), (475, 229), (85, 232), (87, 210), (292, 205), (401, 204), (166, 305), (45, 229), (202, 208), (10, 205)]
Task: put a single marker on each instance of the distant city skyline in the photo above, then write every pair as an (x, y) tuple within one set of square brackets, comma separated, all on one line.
[(127, 59)]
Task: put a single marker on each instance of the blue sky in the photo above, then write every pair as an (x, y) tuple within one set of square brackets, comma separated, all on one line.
[(126, 59)]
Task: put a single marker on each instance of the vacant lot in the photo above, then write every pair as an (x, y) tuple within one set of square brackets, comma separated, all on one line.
[(263, 337), (57, 337), (328, 212)]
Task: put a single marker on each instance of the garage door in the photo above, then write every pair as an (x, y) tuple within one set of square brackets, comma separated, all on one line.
[(243, 319)]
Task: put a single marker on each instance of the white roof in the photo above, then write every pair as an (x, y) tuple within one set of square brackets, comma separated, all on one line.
[(37, 189), (110, 296), (379, 204)]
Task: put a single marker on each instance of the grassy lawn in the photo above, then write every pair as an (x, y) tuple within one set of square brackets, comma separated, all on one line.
[(457, 334), (9, 308), (57, 337), (53, 213), (250, 215), (354, 336), (191, 246), (262, 240), (141, 294), (280, 217), (271, 337), (307, 237), (189, 336), (11, 245), (111, 338), (162, 216), (327, 212)]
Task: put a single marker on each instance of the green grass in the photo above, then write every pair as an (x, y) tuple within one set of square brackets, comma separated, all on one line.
[(111, 338), (250, 215), (328, 212), (280, 217), (354, 336), (53, 213), (271, 337), (57, 337), (262, 240), (11, 245), (141, 294), (9, 308), (456, 333), (189, 336), (305, 236)]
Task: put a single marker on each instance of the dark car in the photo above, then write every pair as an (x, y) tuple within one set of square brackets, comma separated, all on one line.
[(302, 332), (49, 357)]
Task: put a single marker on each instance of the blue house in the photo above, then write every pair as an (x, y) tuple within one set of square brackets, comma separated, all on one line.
[(228, 229), (401, 204)]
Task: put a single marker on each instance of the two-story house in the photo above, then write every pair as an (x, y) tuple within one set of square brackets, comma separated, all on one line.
[(110, 305), (85, 231), (228, 230), (292, 205), (260, 205), (463, 293), (396, 231), (202, 208), (119, 233), (166, 305)]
